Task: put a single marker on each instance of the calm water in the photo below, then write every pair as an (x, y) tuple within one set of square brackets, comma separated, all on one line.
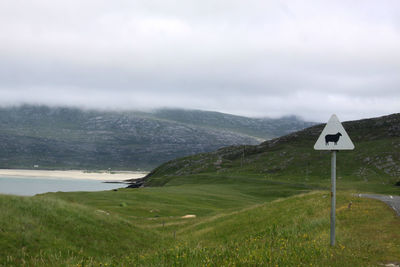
[(32, 186)]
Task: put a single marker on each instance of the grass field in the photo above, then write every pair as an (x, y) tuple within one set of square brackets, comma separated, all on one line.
[(244, 221)]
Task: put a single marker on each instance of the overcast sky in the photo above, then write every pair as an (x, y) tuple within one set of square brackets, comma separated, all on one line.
[(251, 57)]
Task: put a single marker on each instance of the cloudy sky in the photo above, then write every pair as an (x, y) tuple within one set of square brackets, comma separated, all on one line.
[(262, 58)]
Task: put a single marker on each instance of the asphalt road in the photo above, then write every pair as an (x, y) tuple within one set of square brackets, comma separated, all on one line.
[(392, 201)]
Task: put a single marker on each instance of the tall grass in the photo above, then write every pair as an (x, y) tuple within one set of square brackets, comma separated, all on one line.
[(288, 231)]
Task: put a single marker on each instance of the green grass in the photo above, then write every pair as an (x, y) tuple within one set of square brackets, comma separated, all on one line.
[(299, 236), (257, 222), (48, 231), (371, 167)]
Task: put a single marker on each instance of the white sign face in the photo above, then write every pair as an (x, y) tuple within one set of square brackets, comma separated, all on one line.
[(334, 137)]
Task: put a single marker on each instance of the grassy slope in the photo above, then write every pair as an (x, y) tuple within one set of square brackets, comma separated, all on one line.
[(51, 231), (144, 227), (264, 209), (373, 166)]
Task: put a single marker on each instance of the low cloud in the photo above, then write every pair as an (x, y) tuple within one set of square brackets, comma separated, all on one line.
[(259, 58)]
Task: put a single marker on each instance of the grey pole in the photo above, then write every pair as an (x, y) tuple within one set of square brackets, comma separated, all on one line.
[(333, 196)]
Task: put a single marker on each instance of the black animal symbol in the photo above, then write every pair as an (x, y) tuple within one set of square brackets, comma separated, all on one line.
[(332, 138)]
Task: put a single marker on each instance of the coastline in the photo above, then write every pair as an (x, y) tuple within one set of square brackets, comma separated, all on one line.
[(73, 174)]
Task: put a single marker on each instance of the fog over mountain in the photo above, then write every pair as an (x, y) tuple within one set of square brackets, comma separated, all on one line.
[(252, 58)]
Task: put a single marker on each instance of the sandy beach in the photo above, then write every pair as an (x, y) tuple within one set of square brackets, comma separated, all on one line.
[(72, 174)]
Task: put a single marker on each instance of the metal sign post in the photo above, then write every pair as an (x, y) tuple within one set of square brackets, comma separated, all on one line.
[(333, 196), (333, 138)]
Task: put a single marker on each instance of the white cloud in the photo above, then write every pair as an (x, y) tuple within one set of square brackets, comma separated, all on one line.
[(263, 58)]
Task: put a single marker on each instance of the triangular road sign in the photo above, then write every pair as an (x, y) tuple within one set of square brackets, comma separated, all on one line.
[(334, 137)]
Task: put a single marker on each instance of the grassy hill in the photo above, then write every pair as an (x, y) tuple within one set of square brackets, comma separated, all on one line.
[(260, 209), (144, 227), (375, 162), (67, 138)]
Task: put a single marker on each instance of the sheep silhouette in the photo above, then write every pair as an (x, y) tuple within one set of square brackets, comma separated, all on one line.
[(332, 138)]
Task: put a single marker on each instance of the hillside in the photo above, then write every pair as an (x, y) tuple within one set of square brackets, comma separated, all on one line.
[(264, 205), (291, 158), (264, 128), (256, 224), (67, 138)]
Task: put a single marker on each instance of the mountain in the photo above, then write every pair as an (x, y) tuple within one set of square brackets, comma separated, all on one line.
[(291, 158), (65, 138), (264, 128)]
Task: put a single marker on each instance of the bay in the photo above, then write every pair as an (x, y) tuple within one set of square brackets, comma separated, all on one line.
[(28, 186)]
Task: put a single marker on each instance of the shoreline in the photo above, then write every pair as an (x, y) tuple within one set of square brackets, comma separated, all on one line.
[(73, 174)]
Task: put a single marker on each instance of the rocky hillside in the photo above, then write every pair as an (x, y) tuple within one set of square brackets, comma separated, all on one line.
[(292, 157), (264, 128), (73, 138)]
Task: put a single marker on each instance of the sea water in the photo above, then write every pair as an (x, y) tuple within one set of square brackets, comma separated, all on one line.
[(30, 186)]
